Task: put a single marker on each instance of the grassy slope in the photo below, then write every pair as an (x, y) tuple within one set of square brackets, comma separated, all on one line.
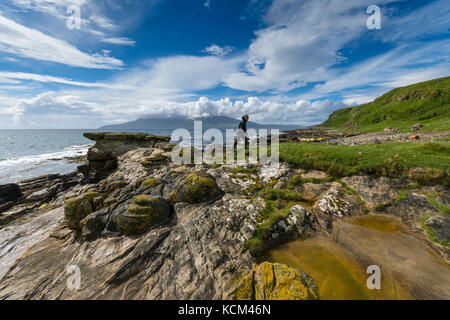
[(392, 159), (426, 102)]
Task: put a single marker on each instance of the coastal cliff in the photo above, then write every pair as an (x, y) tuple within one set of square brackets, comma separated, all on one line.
[(141, 227)]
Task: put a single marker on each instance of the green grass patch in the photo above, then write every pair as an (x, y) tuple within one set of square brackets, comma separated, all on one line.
[(443, 139), (297, 180), (401, 196), (243, 170), (349, 190), (391, 159), (427, 103), (283, 194), (442, 208)]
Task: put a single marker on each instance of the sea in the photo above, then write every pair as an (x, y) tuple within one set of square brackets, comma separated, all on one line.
[(26, 154)]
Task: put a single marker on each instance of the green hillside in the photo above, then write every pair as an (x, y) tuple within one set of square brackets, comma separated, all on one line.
[(427, 103)]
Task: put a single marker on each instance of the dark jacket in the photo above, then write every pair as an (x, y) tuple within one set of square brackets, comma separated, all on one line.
[(243, 125)]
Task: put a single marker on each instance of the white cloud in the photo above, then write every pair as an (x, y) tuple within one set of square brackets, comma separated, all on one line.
[(401, 66), (303, 40), (216, 50), (103, 22), (357, 99), (14, 77), (119, 41), (106, 106), (182, 73), (31, 43)]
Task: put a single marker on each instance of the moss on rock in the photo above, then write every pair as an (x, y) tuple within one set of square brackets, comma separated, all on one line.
[(269, 281), (78, 208), (144, 212), (196, 187), (149, 183), (158, 158)]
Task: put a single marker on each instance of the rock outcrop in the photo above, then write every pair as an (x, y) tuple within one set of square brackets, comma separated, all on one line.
[(109, 146), (34, 194), (153, 229), (144, 212), (9, 192), (269, 281)]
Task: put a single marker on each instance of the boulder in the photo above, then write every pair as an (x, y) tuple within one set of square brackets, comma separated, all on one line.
[(94, 224), (149, 183), (78, 208), (269, 281), (299, 213), (196, 187), (9, 192), (144, 212), (440, 224)]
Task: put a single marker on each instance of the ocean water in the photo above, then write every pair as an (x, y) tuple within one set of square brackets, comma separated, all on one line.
[(26, 154)]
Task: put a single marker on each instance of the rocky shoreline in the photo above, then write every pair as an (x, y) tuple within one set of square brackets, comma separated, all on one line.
[(140, 227)]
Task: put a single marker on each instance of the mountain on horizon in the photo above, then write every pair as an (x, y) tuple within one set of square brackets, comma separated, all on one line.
[(219, 122)]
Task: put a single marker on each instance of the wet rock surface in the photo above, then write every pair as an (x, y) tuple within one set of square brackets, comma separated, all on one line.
[(401, 257), (33, 194)]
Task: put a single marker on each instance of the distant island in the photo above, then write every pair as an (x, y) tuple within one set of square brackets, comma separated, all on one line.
[(218, 122)]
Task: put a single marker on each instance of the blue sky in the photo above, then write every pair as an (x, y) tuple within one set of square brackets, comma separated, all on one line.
[(281, 61)]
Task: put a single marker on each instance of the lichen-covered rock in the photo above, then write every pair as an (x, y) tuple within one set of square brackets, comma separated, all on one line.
[(277, 281), (94, 224), (376, 191), (78, 208), (155, 159), (149, 183), (440, 224), (196, 187), (333, 203), (144, 212), (413, 208)]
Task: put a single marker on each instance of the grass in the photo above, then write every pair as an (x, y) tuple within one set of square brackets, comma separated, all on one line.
[(430, 232), (442, 208), (283, 194), (243, 170), (391, 159), (349, 190), (401, 196), (427, 103), (297, 180)]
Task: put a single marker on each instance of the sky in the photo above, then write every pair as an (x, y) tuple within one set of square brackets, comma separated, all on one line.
[(87, 63)]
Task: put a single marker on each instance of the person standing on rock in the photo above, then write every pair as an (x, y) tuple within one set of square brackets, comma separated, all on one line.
[(243, 123), (242, 129)]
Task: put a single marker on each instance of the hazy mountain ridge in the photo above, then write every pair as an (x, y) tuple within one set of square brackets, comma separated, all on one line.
[(207, 123)]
